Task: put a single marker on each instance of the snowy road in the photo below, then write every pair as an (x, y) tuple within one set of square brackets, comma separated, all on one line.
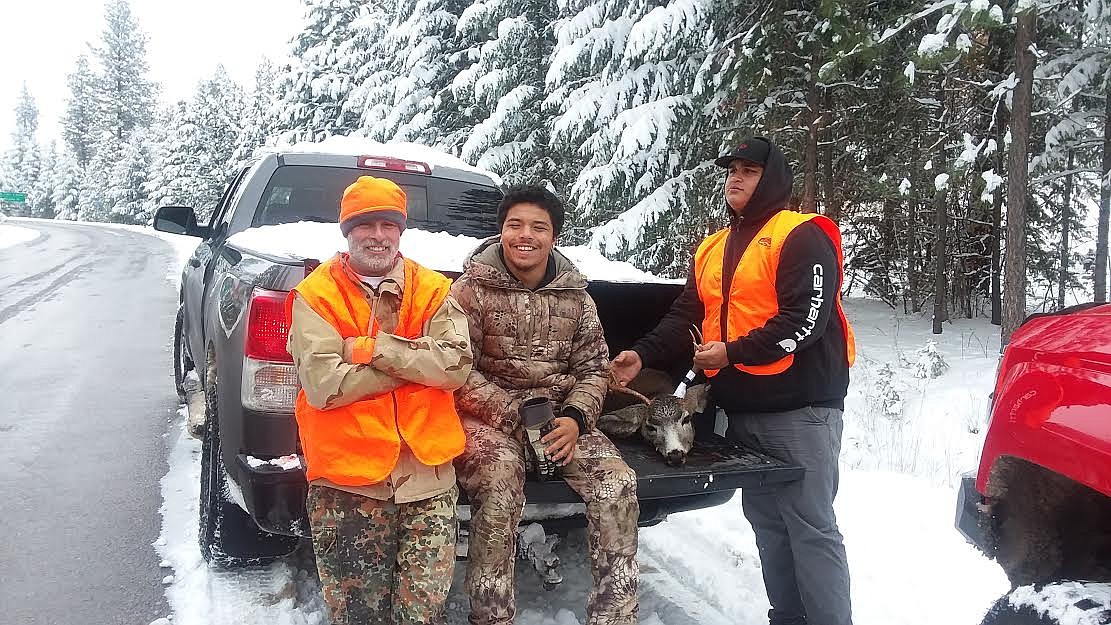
[(85, 394)]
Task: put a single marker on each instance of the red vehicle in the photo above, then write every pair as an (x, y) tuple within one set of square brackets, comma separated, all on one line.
[(1040, 503)]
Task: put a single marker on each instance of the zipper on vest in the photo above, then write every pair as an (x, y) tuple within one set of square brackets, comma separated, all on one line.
[(400, 441)]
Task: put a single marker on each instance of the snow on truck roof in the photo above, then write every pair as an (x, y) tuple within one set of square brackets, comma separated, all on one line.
[(361, 146), (437, 250)]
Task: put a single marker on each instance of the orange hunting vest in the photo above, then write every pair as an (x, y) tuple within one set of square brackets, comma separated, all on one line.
[(358, 444), (752, 296)]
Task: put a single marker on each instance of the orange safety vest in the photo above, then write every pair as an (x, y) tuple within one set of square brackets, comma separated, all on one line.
[(358, 444), (752, 296)]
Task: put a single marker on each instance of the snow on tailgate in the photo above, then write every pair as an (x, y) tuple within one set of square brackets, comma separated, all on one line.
[(437, 250)]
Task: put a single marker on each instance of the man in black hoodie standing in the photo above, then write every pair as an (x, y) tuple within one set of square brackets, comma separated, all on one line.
[(777, 350)]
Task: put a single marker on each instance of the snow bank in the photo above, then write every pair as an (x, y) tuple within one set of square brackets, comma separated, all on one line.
[(896, 418), (438, 250), (14, 235)]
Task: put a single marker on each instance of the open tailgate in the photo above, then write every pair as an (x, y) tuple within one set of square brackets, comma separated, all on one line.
[(713, 464)]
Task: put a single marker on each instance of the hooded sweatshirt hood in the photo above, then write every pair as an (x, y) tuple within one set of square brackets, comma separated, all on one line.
[(772, 193)]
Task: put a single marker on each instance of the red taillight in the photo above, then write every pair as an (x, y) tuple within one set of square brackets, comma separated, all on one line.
[(394, 164), (267, 327)]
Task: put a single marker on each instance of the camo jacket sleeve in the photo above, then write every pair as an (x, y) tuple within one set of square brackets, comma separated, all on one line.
[(328, 381), (589, 365), (441, 358), (479, 397)]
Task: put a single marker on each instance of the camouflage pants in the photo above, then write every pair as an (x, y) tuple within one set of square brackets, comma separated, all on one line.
[(492, 473), (381, 562)]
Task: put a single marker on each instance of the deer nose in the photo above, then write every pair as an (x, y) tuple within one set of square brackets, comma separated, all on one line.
[(676, 458)]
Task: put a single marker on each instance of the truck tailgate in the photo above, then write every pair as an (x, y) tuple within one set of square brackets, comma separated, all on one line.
[(713, 464)]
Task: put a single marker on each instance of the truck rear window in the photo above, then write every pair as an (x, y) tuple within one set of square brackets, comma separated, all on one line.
[(312, 193)]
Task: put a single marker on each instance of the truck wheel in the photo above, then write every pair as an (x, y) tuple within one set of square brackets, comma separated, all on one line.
[(183, 364), (228, 537), (1087, 603)]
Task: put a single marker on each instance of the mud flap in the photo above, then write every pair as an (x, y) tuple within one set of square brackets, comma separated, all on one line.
[(194, 404)]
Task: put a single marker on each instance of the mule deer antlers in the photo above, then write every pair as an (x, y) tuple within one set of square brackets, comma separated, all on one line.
[(614, 386)]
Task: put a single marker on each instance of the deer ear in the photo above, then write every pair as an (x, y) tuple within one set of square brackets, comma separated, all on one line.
[(695, 399)]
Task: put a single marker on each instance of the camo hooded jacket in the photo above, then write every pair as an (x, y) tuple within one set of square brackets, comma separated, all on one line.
[(546, 342)]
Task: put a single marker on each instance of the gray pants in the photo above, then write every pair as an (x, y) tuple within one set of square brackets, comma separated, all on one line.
[(802, 556)]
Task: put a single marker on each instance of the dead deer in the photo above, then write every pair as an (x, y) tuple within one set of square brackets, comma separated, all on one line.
[(657, 414), (663, 416)]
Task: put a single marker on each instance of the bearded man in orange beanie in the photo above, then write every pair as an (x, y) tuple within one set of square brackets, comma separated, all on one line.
[(379, 345)]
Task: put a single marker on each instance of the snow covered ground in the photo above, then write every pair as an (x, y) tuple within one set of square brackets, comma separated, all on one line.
[(906, 441), (14, 235)]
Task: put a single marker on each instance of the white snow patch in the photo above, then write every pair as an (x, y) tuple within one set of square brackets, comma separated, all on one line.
[(285, 463), (284, 593), (932, 43), (992, 181), (970, 152), (14, 235), (1060, 599), (941, 181)]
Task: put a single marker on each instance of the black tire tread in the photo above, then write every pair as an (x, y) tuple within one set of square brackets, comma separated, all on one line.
[(228, 537)]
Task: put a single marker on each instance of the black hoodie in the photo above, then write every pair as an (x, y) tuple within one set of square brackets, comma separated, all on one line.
[(820, 374)]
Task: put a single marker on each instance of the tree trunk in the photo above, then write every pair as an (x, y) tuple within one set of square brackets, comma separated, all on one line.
[(810, 181), (912, 228), (889, 252), (996, 240), (831, 205), (941, 216), (1014, 260), (996, 295), (1104, 201), (997, 222), (1066, 221), (831, 200), (940, 257)]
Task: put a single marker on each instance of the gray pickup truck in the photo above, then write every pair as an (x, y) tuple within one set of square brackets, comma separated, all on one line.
[(231, 330)]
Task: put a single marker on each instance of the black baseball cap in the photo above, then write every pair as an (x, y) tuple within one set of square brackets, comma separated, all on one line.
[(755, 149)]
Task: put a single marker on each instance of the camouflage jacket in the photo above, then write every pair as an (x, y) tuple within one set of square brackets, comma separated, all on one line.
[(546, 342), (438, 358)]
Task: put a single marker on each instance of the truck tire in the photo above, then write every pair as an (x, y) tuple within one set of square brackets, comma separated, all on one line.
[(228, 537), (183, 364), (1074, 603)]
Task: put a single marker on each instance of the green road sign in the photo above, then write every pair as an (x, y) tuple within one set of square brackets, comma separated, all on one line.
[(9, 196)]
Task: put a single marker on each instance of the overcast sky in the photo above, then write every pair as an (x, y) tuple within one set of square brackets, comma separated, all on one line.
[(41, 39)]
